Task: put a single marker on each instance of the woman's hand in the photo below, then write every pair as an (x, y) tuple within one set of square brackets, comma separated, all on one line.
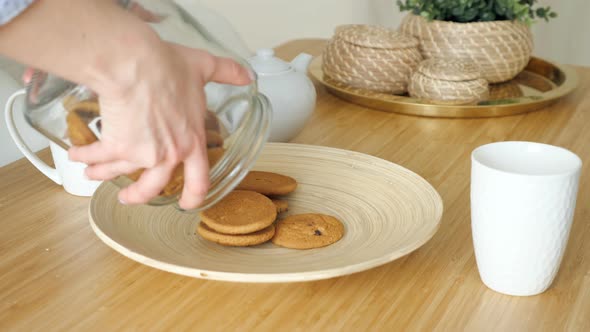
[(150, 91), (153, 119)]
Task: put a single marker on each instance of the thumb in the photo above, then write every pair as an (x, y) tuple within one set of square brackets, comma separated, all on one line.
[(220, 69)]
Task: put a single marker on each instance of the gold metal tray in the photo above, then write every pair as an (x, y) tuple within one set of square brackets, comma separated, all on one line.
[(539, 85)]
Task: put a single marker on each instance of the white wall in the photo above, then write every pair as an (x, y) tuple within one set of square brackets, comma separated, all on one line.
[(565, 39), (267, 23)]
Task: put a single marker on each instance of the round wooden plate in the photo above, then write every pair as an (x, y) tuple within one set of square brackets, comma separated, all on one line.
[(387, 210)]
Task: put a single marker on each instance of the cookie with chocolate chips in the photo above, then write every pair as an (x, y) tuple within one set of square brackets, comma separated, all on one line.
[(307, 231)]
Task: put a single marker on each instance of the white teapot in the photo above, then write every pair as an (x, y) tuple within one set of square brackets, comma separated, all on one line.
[(291, 93)]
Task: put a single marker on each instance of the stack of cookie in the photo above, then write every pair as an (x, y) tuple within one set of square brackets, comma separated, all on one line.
[(248, 217), (242, 218)]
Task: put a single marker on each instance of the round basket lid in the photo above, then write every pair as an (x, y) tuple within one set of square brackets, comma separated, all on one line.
[(375, 36), (450, 69)]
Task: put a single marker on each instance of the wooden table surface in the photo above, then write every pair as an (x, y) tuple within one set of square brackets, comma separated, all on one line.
[(55, 274)]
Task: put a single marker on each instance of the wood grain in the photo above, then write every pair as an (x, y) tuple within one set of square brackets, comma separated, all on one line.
[(55, 274), (387, 212)]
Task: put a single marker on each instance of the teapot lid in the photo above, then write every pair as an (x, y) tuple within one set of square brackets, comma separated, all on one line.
[(265, 62)]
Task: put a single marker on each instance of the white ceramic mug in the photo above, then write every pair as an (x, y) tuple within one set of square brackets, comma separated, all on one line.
[(523, 197), (67, 173)]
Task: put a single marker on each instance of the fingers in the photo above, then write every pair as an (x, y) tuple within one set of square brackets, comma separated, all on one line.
[(149, 185), (28, 75), (196, 180), (225, 70), (95, 153), (110, 170)]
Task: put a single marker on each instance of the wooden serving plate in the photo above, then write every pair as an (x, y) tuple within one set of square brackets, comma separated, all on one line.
[(387, 211)]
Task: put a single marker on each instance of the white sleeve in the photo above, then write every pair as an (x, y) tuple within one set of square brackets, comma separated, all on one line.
[(10, 9)]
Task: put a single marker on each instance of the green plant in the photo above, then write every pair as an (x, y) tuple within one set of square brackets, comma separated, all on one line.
[(477, 10)]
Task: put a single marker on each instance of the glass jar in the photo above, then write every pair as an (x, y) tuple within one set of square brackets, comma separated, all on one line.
[(237, 120)]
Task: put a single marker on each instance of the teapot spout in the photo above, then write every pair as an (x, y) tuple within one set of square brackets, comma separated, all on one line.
[(301, 62)]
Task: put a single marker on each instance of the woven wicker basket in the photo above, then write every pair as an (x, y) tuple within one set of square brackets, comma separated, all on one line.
[(501, 48), (448, 81), (371, 57)]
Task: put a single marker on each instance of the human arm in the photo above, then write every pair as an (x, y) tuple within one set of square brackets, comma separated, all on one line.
[(151, 91)]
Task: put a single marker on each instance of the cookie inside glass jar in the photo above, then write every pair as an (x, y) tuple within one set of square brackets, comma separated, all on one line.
[(79, 117)]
